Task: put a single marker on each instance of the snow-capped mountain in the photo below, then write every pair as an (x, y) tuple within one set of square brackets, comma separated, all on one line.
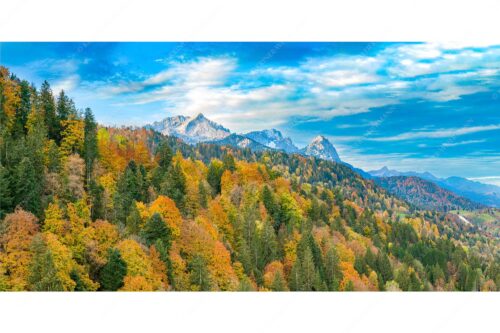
[(240, 141), (273, 139), (191, 130), (321, 147)]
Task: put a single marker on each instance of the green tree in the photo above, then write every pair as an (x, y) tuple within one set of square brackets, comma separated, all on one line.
[(202, 194), (28, 186), (90, 151), (24, 109), (113, 273), (229, 163), (43, 273), (214, 175), (333, 273), (174, 185), (198, 273), (278, 283), (48, 107), (157, 229), (5, 193)]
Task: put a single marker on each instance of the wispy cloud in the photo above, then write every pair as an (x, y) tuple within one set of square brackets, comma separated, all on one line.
[(461, 143), (438, 133)]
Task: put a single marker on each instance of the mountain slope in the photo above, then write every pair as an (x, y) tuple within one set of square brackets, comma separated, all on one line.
[(321, 147), (424, 194), (485, 194)]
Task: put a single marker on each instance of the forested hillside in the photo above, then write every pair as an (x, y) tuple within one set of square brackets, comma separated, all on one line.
[(425, 194), (86, 207)]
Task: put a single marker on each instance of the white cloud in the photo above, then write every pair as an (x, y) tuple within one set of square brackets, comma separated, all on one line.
[(493, 180), (461, 143), (438, 133)]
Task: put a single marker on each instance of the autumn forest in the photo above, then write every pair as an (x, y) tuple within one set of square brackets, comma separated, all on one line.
[(84, 207)]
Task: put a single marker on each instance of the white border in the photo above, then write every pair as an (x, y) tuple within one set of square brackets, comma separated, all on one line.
[(256, 20), (249, 312)]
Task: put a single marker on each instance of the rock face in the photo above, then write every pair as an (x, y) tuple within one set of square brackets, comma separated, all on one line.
[(191, 130), (321, 147), (273, 139)]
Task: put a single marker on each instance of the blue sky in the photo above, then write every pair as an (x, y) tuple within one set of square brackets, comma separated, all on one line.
[(410, 106)]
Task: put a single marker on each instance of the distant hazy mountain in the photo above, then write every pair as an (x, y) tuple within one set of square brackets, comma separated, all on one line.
[(485, 194), (273, 139), (191, 130), (321, 147), (386, 172), (424, 193)]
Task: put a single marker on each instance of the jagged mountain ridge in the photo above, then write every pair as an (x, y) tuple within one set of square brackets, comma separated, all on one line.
[(273, 139), (202, 129), (191, 130), (321, 147)]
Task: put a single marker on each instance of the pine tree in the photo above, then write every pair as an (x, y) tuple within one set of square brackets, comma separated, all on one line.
[(157, 229), (174, 186), (278, 282), (48, 106), (384, 267), (28, 186), (202, 194), (133, 220), (43, 273), (113, 273), (5, 193), (229, 163), (214, 175), (333, 274), (308, 272), (198, 273), (90, 151), (23, 110)]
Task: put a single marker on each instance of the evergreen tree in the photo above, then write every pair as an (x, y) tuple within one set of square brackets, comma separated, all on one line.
[(174, 185), (308, 272), (43, 273), (133, 220), (202, 194), (90, 151), (5, 194), (164, 157), (113, 273), (384, 267), (278, 283), (48, 107), (23, 110), (214, 175), (198, 273), (229, 163), (128, 189), (28, 186), (333, 274), (96, 192), (157, 229)]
